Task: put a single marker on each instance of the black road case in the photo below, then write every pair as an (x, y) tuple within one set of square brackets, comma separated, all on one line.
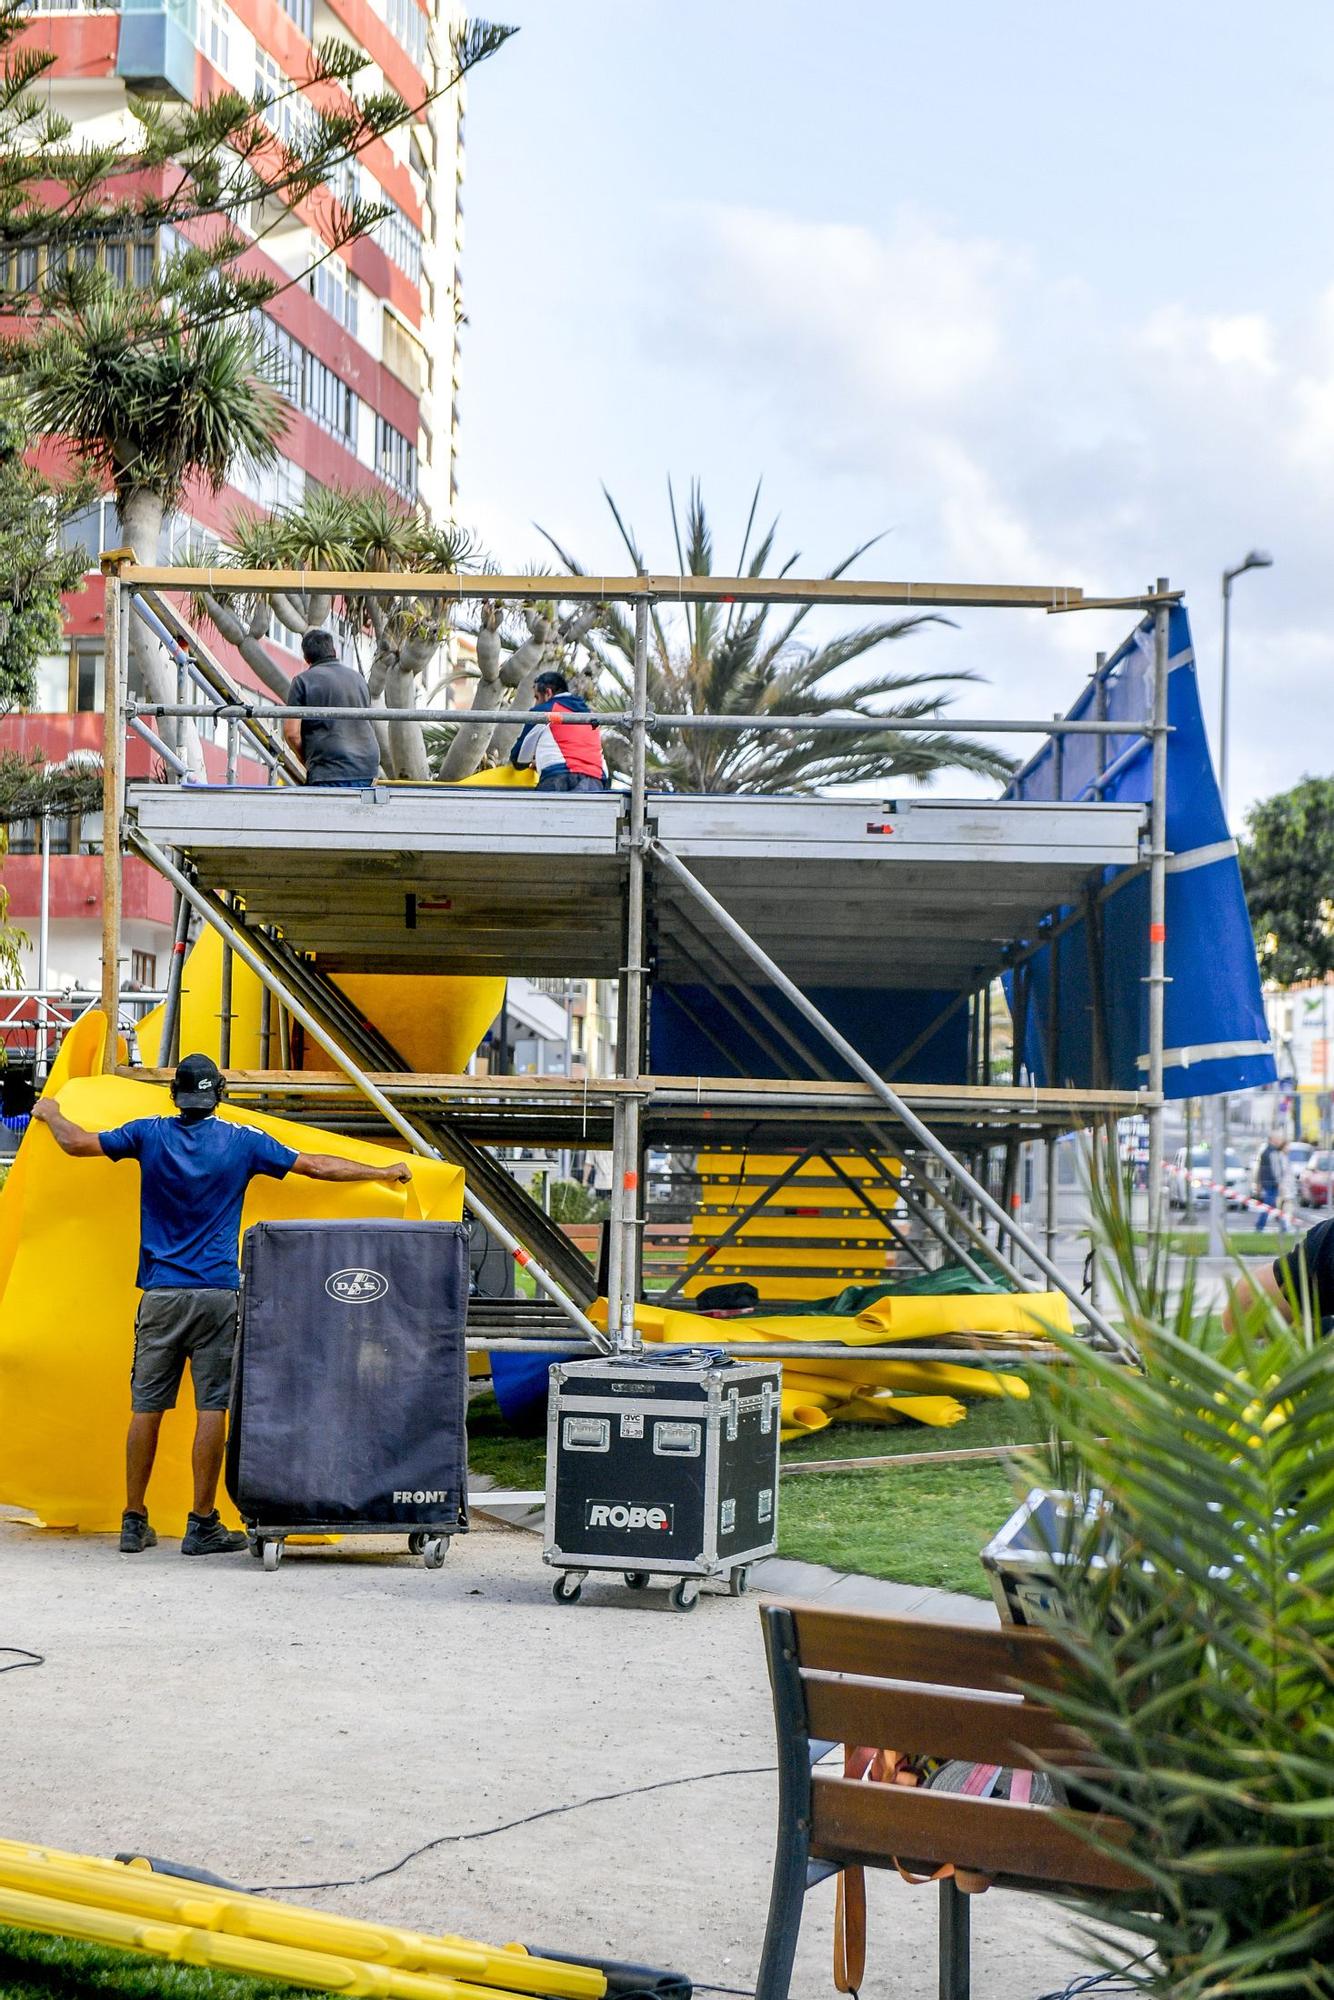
[(662, 1464), (349, 1388)]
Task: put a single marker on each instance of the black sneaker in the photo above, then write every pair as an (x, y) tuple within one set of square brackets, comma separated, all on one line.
[(135, 1534), (206, 1536)]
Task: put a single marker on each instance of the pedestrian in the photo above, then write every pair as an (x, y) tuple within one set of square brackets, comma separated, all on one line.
[(334, 751), (1304, 1274), (1271, 1168), (194, 1171), (567, 755)]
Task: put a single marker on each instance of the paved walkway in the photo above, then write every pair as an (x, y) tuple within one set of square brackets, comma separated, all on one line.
[(777, 1576), (322, 1722)]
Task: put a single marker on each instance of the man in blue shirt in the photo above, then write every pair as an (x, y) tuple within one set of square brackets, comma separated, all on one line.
[(194, 1172)]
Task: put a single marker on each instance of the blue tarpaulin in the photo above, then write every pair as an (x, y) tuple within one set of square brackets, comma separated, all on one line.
[(1215, 1036)]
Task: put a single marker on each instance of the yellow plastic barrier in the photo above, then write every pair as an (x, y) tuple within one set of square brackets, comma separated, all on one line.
[(222, 1953), (69, 1238), (135, 1892)]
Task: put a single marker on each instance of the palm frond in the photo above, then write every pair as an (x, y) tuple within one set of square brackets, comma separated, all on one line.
[(744, 662), (1198, 1607)]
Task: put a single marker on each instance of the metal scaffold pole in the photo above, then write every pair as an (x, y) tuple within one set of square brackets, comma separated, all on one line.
[(116, 638), (921, 1132), (1157, 980), (627, 1192)]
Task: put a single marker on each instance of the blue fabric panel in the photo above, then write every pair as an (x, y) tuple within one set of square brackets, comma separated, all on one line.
[(1214, 991), (877, 1022)]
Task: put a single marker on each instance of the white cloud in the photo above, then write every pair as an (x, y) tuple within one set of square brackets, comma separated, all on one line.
[(1017, 426)]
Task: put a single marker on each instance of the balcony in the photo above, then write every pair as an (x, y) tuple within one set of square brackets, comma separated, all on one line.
[(156, 54)]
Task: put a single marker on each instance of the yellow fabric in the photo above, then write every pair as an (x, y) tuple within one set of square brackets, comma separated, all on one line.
[(434, 1023), (824, 1389), (69, 1243)]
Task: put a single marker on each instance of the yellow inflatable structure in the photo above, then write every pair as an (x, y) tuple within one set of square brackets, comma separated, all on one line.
[(820, 1390), (69, 1240), (435, 1023)]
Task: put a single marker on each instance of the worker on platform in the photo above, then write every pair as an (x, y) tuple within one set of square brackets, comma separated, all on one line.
[(334, 751), (194, 1171), (567, 755)]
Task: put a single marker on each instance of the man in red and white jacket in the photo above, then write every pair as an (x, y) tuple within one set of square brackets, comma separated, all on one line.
[(567, 754)]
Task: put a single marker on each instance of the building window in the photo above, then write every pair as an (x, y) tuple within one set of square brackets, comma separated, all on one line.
[(143, 969), (407, 25), (395, 458), (281, 104), (307, 381), (303, 13), (214, 39), (334, 287), (400, 240)]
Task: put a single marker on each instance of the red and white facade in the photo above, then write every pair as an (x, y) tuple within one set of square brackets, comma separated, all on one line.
[(365, 348)]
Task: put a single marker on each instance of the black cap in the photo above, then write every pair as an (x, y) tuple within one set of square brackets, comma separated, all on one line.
[(552, 678), (198, 1085)]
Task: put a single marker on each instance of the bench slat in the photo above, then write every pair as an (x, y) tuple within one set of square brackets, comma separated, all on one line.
[(860, 1822), (982, 1728), (915, 1649)]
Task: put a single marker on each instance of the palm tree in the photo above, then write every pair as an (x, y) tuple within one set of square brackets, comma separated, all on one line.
[(149, 408), (733, 660)]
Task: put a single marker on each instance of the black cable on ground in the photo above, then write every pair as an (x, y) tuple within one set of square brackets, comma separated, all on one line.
[(25, 1659), (508, 1826), (1105, 1984)]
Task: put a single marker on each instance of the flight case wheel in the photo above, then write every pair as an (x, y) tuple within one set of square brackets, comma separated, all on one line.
[(636, 1579), (567, 1589), (271, 1554), (738, 1580), (434, 1550), (685, 1594), (417, 1543)]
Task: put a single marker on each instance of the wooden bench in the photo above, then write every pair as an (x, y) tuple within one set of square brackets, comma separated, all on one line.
[(925, 1690)]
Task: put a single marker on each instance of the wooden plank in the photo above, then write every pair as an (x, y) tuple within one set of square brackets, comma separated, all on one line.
[(983, 1728), (916, 1649), (625, 589), (989, 1454), (884, 1823)]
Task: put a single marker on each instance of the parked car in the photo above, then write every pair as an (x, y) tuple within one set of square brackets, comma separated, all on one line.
[(1315, 1182), (1191, 1189), (1299, 1155)]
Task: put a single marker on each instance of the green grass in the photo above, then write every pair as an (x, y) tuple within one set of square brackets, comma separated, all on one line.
[(1240, 1242), (910, 1525), (51, 1968)]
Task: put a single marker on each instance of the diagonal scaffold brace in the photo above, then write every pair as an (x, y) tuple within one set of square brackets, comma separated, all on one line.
[(233, 936), (888, 1096)]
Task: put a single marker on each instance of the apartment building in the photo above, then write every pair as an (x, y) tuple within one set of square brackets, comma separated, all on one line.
[(365, 349)]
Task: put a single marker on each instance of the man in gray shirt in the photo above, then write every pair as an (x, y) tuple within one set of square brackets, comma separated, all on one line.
[(335, 752)]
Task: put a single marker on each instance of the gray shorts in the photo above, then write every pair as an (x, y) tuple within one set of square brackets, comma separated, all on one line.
[(172, 1327)]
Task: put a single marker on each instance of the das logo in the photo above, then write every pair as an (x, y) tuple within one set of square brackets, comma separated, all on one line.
[(356, 1287), (631, 1520)]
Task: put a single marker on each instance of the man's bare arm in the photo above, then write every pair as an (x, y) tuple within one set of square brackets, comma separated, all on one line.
[(71, 1138), (325, 1167), (292, 731), (1261, 1284)]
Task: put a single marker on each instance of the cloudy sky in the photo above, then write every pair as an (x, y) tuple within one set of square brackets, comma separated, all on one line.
[(1044, 292)]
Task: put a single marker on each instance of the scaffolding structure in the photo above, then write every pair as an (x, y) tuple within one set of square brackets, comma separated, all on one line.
[(282, 874)]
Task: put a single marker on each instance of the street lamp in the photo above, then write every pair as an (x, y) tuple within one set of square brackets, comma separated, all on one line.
[(1257, 559)]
